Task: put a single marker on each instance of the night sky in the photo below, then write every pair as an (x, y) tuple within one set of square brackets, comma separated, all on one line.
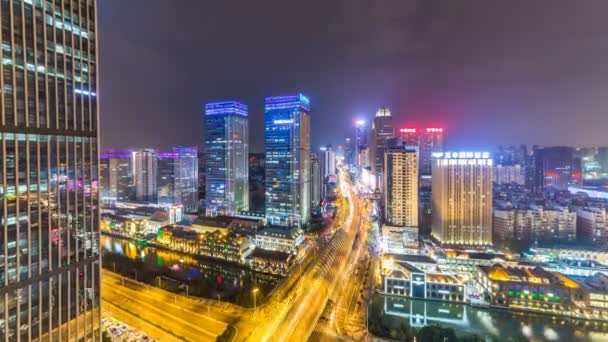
[(491, 72)]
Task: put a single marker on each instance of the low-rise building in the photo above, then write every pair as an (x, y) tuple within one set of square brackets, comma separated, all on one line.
[(464, 262), (279, 239), (404, 279), (596, 289), (530, 288), (216, 244), (400, 240), (124, 226), (582, 253), (273, 262)]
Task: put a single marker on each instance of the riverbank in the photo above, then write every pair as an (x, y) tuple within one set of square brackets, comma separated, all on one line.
[(523, 310), (395, 317), (181, 273), (203, 257)]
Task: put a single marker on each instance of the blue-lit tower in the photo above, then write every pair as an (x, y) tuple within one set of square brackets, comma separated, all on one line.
[(287, 143), (226, 158)]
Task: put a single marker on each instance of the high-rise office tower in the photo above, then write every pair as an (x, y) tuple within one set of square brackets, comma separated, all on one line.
[(177, 178), (554, 167), (116, 175), (226, 158), (257, 178), (349, 152), (462, 198), (401, 186), (145, 175), (382, 129), (315, 181), (363, 158), (201, 175), (530, 169), (359, 141), (602, 159), (410, 136), (165, 177), (328, 161), (511, 155), (431, 141), (287, 143), (186, 177), (50, 201), (327, 167)]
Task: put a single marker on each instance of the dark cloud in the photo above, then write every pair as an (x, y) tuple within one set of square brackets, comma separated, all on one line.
[(490, 71)]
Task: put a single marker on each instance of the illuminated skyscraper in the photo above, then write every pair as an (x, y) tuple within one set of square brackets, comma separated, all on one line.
[(327, 167), (165, 178), (431, 141), (401, 186), (186, 177), (410, 136), (315, 182), (287, 142), (359, 141), (177, 178), (328, 161), (462, 198), (382, 129), (49, 184), (555, 167), (226, 158), (116, 175), (145, 173), (257, 178)]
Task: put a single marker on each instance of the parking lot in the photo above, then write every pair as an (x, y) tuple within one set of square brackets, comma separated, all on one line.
[(118, 331)]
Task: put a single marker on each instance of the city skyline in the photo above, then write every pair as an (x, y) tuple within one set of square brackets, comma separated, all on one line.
[(432, 64), (431, 170)]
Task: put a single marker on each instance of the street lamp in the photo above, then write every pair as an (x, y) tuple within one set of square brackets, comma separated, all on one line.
[(255, 291)]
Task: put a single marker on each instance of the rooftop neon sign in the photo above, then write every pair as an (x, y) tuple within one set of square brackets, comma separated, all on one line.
[(225, 107), (461, 155), (407, 130), (287, 101)]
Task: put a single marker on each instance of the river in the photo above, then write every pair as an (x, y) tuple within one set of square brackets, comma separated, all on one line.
[(491, 324), (172, 271)]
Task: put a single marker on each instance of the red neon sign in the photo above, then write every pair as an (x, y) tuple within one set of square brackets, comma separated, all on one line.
[(407, 130), (434, 130)]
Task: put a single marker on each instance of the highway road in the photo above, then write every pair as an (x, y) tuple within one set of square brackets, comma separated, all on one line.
[(348, 315), (182, 318), (295, 317)]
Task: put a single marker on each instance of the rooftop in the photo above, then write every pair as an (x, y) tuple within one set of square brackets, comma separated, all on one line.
[(269, 255), (535, 275), (279, 232), (214, 221), (475, 255), (411, 258)]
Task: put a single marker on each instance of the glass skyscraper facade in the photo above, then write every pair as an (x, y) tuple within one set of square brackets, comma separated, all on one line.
[(226, 158), (382, 130), (287, 144), (165, 178), (49, 254), (145, 173), (186, 177), (116, 175)]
